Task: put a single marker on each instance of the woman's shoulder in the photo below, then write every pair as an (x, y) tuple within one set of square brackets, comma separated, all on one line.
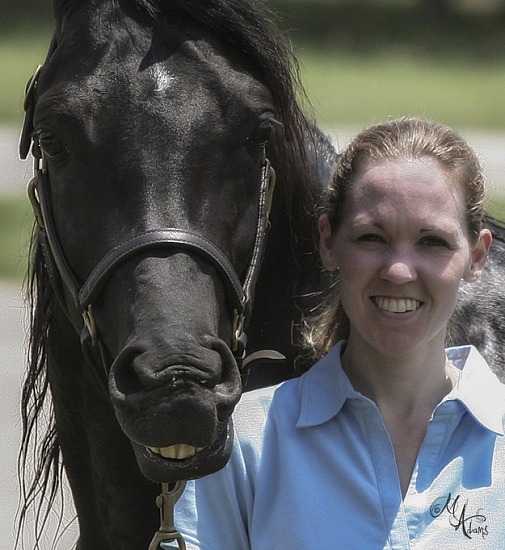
[(283, 404), (255, 406), (479, 389)]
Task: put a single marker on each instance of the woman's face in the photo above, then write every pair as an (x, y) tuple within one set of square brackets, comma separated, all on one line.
[(401, 249)]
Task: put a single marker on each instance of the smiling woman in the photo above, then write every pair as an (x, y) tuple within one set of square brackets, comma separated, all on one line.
[(393, 425), (409, 157), (393, 250)]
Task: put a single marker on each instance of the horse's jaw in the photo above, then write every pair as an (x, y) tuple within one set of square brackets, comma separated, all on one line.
[(202, 462), (173, 400)]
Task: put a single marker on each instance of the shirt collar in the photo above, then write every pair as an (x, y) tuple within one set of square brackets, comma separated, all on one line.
[(324, 390), (478, 389)]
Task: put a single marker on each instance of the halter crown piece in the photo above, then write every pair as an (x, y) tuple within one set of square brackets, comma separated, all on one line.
[(77, 299)]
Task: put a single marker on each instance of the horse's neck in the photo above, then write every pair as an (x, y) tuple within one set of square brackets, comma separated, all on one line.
[(114, 502), (291, 278), (287, 267)]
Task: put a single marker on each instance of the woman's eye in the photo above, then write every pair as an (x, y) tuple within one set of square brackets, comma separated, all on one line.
[(371, 238), (262, 133), (50, 146), (434, 241)]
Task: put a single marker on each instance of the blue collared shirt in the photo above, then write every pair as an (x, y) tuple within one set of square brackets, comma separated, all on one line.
[(313, 468)]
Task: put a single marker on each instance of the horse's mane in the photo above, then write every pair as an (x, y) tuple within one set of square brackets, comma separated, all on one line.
[(39, 449), (247, 28)]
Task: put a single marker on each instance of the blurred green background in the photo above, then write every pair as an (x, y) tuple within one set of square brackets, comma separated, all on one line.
[(361, 61)]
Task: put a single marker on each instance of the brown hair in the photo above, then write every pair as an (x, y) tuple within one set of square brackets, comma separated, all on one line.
[(404, 138)]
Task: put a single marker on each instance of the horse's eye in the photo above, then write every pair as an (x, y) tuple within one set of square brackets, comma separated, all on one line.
[(262, 133), (50, 146)]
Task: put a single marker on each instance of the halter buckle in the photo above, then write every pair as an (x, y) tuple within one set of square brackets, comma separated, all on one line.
[(31, 85), (237, 329), (90, 324)]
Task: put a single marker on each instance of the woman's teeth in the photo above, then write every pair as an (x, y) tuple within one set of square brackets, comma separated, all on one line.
[(396, 305)]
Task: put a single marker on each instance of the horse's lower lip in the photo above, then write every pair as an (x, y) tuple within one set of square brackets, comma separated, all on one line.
[(206, 461)]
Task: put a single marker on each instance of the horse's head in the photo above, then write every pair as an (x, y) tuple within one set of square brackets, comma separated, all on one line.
[(151, 134)]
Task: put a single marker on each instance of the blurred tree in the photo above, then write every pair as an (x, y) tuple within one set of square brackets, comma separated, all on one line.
[(24, 12), (436, 7)]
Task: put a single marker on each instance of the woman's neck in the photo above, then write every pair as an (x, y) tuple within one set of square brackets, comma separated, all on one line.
[(406, 389), (417, 380)]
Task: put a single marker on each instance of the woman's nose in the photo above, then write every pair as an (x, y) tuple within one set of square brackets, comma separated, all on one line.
[(399, 267)]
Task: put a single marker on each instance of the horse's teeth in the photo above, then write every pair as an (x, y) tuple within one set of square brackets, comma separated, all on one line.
[(178, 452)]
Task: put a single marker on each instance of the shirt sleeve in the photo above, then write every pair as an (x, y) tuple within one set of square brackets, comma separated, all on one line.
[(215, 511)]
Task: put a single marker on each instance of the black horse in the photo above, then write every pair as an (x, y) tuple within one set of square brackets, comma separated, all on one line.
[(154, 124)]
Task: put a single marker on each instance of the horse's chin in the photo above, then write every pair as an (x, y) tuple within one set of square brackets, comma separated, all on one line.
[(184, 462)]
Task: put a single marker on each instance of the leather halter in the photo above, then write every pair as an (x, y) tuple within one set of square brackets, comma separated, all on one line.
[(75, 297)]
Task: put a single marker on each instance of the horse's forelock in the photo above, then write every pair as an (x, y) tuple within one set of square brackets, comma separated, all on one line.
[(251, 29)]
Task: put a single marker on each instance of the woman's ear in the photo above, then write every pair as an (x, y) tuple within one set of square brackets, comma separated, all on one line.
[(479, 256), (326, 244)]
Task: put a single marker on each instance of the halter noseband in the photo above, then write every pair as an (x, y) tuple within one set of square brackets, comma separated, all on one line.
[(83, 296)]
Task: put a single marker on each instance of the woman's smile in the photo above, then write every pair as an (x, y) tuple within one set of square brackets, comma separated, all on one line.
[(396, 305)]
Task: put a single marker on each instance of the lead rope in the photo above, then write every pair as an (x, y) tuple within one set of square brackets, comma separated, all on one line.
[(167, 531)]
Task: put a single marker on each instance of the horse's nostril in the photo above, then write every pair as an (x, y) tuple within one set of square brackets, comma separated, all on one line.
[(126, 380)]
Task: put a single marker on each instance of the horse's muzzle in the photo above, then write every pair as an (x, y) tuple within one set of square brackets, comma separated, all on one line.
[(206, 461), (176, 407)]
